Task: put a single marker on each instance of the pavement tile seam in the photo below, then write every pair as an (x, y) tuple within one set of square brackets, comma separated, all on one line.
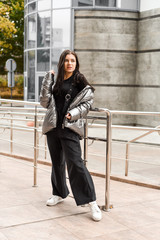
[(39, 221)]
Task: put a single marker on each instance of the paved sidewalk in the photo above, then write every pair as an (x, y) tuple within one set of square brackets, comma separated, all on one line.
[(24, 215)]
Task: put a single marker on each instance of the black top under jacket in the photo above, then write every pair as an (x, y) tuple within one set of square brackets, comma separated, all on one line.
[(68, 87)]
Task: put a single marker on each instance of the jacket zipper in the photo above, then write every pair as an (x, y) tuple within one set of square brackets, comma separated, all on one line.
[(63, 125)]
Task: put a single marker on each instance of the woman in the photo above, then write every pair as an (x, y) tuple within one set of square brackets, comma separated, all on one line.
[(68, 100)]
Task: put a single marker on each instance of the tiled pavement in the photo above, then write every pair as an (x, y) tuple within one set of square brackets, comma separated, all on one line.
[(24, 215)]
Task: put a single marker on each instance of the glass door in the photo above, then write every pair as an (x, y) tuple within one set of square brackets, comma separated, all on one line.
[(39, 79)]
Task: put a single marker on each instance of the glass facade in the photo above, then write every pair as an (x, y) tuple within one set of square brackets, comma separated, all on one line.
[(31, 75), (31, 31), (44, 5), (82, 3), (43, 29), (48, 30), (123, 4), (61, 26), (105, 3)]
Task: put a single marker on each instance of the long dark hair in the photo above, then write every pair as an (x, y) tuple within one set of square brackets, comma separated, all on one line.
[(78, 77)]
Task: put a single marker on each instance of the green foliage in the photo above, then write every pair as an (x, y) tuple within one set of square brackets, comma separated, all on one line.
[(7, 29), (3, 82), (5, 91), (12, 23), (19, 83)]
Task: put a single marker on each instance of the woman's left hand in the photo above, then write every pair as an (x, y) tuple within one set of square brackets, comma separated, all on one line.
[(68, 116)]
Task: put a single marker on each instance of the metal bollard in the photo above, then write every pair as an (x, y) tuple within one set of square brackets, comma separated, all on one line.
[(86, 142), (35, 148)]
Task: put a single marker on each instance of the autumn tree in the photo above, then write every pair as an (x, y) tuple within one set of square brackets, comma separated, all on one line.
[(11, 32), (7, 29)]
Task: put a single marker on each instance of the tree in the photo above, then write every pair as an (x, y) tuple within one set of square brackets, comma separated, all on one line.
[(13, 13), (7, 29)]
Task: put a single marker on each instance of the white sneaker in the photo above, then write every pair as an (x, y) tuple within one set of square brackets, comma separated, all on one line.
[(95, 211), (54, 200)]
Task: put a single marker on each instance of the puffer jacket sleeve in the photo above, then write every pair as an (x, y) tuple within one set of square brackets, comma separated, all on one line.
[(83, 107), (46, 90)]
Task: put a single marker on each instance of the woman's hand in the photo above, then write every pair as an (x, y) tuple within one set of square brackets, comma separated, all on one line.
[(52, 72), (68, 116)]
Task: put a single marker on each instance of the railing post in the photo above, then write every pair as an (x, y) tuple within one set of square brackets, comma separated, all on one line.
[(108, 152), (11, 135), (85, 142), (126, 163), (35, 148), (45, 147)]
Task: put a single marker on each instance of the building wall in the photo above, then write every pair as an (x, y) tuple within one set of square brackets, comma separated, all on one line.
[(120, 55), (106, 43), (148, 65)]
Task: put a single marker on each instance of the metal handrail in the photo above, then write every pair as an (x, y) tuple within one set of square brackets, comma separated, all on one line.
[(36, 114), (20, 102), (131, 141), (108, 118)]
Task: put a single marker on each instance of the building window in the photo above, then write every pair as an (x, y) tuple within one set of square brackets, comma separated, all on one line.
[(32, 7), (82, 3), (105, 3), (31, 75), (32, 31), (55, 53), (44, 5), (40, 79), (43, 59), (61, 3), (43, 29), (61, 28)]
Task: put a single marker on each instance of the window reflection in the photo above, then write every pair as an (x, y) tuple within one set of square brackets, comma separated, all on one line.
[(43, 59), (40, 79), (31, 31), (25, 32), (61, 31), (132, 4), (106, 3), (32, 7), (43, 29), (55, 54), (44, 4), (31, 75), (61, 3), (82, 3)]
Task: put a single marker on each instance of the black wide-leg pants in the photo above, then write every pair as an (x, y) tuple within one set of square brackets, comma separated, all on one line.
[(64, 147)]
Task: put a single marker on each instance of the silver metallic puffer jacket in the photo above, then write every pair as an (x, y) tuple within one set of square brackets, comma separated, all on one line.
[(78, 108)]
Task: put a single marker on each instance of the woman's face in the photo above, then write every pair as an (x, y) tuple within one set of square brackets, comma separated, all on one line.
[(69, 63)]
